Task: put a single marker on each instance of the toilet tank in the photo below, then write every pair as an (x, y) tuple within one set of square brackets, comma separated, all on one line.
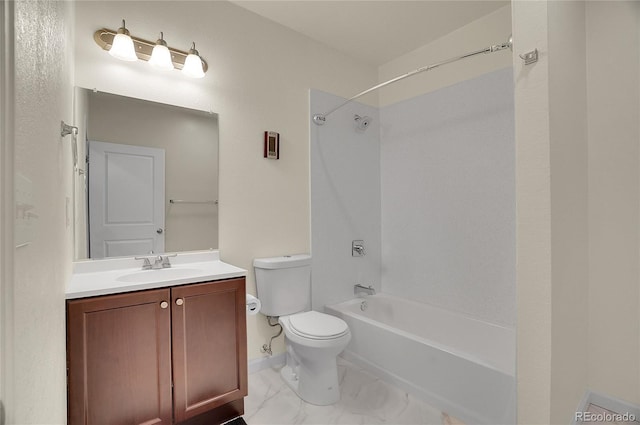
[(283, 284)]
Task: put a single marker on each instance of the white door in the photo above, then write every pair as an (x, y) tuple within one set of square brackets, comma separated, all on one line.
[(126, 200)]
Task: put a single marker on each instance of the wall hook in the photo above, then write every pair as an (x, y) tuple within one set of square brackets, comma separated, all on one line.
[(530, 57), (66, 129)]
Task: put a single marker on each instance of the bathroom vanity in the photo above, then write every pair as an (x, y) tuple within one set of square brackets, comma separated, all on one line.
[(163, 346)]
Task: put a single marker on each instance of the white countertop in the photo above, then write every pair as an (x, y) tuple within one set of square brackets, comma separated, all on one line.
[(117, 275)]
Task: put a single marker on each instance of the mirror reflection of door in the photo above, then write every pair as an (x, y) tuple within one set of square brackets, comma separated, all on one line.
[(189, 139), (126, 199)]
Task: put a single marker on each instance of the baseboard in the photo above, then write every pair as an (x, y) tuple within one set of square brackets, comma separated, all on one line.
[(607, 402), (256, 365)]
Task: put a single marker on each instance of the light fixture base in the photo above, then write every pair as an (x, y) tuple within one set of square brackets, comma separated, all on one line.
[(104, 38)]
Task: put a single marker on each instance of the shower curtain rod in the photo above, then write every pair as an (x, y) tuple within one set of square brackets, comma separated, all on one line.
[(320, 119)]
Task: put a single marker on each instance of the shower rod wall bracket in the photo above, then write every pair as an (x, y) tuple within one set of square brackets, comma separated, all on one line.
[(530, 57), (319, 119)]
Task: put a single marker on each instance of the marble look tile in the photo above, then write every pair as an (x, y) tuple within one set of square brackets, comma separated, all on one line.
[(450, 420), (365, 399), (597, 410)]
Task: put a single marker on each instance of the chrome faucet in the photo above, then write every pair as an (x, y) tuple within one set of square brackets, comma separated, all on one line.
[(160, 262), (370, 290)]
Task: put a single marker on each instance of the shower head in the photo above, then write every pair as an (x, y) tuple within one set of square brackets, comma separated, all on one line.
[(362, 122)]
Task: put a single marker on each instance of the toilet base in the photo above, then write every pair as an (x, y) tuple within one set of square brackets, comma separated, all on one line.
[(290, 378), (311, 370), (319, 389)]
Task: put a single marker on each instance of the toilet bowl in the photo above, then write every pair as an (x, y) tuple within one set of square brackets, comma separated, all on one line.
[(314, 341)]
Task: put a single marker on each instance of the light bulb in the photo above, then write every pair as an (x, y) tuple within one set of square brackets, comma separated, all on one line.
[(161, 56), (193, 64), (122, 47)]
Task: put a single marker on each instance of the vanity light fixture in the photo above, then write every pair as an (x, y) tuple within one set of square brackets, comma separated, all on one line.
[(193, 64), (161, 56), (122, 47), (145, 50)]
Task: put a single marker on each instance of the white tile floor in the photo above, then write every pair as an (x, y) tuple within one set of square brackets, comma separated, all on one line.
[(365, 399), (597, 410)]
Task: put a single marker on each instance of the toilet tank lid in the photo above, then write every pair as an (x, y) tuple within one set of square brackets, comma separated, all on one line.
[(283, 262)]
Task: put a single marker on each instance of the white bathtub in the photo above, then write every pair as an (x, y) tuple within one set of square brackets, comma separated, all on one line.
[(461, 365)]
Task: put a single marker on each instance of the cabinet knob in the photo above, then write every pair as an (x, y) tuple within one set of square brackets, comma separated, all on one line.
[(179, 301), (164, 304)]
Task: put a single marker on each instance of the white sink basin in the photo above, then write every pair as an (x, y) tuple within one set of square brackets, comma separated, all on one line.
[(159, 275)]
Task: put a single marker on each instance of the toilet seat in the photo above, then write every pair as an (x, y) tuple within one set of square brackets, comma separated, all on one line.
[(316, 325)]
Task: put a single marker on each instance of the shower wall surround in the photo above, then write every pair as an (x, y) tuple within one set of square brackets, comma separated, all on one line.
[(448, 198), (430, 187), (345, 199)]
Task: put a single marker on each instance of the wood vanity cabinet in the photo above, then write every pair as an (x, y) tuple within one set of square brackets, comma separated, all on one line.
[(163, 356)]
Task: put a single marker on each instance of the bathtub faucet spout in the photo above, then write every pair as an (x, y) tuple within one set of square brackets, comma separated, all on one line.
[(366, 289)]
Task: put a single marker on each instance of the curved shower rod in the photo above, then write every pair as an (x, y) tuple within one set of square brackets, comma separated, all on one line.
[(320, 119)]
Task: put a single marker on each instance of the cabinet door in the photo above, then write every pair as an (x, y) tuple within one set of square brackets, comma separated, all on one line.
[(119, 359), (209, 346)]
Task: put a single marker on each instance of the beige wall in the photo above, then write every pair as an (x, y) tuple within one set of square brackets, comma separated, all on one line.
[(569, 198), (259, 77), (577, 188), (614, 169), (491, 29), (533, 215), (6, 200), (189, 139), (35, 346)]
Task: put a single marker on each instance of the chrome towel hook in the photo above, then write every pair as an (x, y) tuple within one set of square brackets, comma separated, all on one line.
[(66, 129)]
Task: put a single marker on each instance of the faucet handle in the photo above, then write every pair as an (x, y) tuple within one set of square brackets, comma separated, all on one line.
[(146, 264), (165, 260)]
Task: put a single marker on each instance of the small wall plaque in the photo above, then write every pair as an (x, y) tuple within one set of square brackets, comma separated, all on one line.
[(271, 145)]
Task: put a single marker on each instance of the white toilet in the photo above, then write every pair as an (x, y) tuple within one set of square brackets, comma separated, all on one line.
[(313, 339)]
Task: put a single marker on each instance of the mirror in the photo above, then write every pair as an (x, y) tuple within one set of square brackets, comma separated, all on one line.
[(145, 177)]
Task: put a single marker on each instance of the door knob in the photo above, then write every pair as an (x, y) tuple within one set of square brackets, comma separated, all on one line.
[(159, 231), (179, 301), (164, 304)]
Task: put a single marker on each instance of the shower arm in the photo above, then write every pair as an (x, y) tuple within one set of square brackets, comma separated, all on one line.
[(320, 119)]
